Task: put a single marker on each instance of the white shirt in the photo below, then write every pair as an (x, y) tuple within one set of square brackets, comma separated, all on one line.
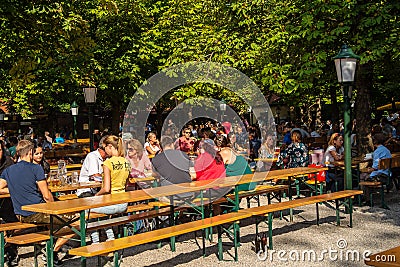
[(92, 164)]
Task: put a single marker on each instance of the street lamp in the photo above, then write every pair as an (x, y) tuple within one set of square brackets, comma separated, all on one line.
[(222, 107), (74, 113), (346, 63), (90, 99)]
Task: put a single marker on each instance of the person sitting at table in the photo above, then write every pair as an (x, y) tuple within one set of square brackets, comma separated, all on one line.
[(59, 139), (294, 155), (186, 142), (138, 160), (172, 166), (374, 173), (209, 164), (267, 151), (235, 164), (27, 185), (233, 144), (116, 170), (38, 158), (334, 152), (92, 169), (6, 208), (152, 145)]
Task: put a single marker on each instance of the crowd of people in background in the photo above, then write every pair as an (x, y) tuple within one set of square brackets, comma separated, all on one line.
[(214, 150)]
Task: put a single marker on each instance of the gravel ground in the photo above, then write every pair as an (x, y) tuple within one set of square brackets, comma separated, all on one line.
[(374, 229)]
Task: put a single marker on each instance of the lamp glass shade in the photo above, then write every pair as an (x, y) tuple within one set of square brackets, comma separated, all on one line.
[(345, 69), (74, 111), (90, 94), (222, 105)]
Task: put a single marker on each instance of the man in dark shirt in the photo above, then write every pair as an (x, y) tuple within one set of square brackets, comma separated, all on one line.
[(172, 166), (27, 185)]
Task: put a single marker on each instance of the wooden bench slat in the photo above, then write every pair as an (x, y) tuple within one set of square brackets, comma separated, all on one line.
[(301, 202), (28, 238), (15, 226), (159, 234)]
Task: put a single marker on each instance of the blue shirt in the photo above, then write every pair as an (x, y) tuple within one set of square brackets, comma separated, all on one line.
[(22, 179), (381, 152), (287, 139)]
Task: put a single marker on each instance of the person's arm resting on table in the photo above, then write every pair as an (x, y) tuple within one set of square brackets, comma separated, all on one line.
[(3, 187)]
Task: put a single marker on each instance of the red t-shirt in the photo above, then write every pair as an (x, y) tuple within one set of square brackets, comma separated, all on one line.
[(184, 144), (207, 168)]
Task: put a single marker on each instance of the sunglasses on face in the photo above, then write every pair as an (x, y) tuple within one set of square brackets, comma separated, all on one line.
[(131, 149), (187, 132)]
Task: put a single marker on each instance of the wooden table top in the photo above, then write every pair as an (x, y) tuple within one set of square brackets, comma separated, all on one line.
[(387, 258), (77, 205), (73, 187)]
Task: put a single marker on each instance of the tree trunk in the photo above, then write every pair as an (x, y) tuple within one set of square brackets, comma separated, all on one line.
[(115, 116), (363, 106), (335, 108)]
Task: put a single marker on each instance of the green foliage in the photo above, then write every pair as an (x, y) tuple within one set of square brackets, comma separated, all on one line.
[(50, 50)]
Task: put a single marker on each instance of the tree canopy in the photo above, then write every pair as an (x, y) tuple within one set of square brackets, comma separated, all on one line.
[(51, 49)]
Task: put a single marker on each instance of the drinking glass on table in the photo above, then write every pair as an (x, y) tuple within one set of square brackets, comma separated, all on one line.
[(75, 178)]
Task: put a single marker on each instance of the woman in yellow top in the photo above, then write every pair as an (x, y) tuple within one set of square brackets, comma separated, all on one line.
[(116, 170)]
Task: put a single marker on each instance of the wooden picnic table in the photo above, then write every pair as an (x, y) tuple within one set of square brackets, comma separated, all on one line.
[(387, 258), (82, 204)]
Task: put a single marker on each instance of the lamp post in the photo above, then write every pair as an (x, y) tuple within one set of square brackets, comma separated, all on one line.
[(222, 107), (90, 99), (74, 113), (346, 63)]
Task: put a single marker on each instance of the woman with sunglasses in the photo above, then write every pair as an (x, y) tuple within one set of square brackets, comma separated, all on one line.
[(152, 146), (186, 142)]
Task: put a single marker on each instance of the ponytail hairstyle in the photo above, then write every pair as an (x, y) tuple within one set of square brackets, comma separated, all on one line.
[(117, 143)]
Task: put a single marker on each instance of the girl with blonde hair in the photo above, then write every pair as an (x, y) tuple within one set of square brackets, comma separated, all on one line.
[(116, 170)]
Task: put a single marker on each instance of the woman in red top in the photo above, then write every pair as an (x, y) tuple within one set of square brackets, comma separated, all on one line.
[(209, 164)]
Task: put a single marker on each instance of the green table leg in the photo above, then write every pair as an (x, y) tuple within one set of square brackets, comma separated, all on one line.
[(82, 224), (220, 250), (337, 212), (236, 239), (270, 218), (50, 247), (290, 197), (2, 249), (351, 212)]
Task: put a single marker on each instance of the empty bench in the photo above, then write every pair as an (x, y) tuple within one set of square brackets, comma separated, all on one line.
[(267, 211)]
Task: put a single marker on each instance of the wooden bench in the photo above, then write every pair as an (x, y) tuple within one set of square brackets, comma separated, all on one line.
[(22, 239), (270, 209), (38, 237), (384, 164), (159, 234)]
